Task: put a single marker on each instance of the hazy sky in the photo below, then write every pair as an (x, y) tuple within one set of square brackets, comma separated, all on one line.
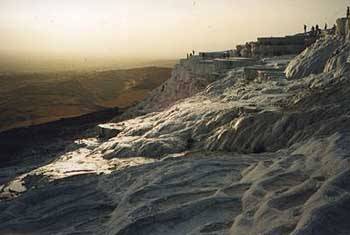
[(151, 28)]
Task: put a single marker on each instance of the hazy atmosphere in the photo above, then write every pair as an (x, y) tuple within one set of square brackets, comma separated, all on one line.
[(158, 29), (175, 117)]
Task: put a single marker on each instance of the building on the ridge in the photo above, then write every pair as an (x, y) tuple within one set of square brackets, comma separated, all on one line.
[(276, 46)]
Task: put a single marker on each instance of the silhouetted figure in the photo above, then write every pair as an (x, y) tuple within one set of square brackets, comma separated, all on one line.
[(348, 13), (305, 28), (248, 46), (317, 30), (313, 31), (326, 26), (193, 52)]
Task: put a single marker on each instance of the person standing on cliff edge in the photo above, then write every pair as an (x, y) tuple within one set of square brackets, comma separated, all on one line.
[(305, 28), (348, 13), (318, 30)]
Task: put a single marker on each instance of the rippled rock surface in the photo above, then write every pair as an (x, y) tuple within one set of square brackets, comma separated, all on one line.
[(239, 157)]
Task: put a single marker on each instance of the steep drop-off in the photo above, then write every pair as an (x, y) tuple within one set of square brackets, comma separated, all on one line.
[(183, 83)]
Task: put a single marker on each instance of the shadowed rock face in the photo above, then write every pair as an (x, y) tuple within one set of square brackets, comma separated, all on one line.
[(240, 157)]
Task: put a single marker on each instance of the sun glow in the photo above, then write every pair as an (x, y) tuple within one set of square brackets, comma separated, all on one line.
[(153, 29)]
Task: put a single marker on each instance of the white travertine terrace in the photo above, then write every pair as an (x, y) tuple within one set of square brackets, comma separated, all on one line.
[(208, 152)]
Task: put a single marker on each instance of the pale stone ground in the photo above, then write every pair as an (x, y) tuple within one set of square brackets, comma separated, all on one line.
[(237, 158)]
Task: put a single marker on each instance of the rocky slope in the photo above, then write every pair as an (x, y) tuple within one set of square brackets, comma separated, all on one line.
[(184, 82), (240, 157)]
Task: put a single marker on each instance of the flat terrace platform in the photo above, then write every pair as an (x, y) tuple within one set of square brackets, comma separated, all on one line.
[(263, 72)]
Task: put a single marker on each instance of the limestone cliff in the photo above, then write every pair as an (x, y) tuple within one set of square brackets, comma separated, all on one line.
[(189, 77), (239, 157), (183, 83)]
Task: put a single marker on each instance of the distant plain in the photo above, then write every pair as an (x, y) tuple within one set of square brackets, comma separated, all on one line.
[(31, 98)]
